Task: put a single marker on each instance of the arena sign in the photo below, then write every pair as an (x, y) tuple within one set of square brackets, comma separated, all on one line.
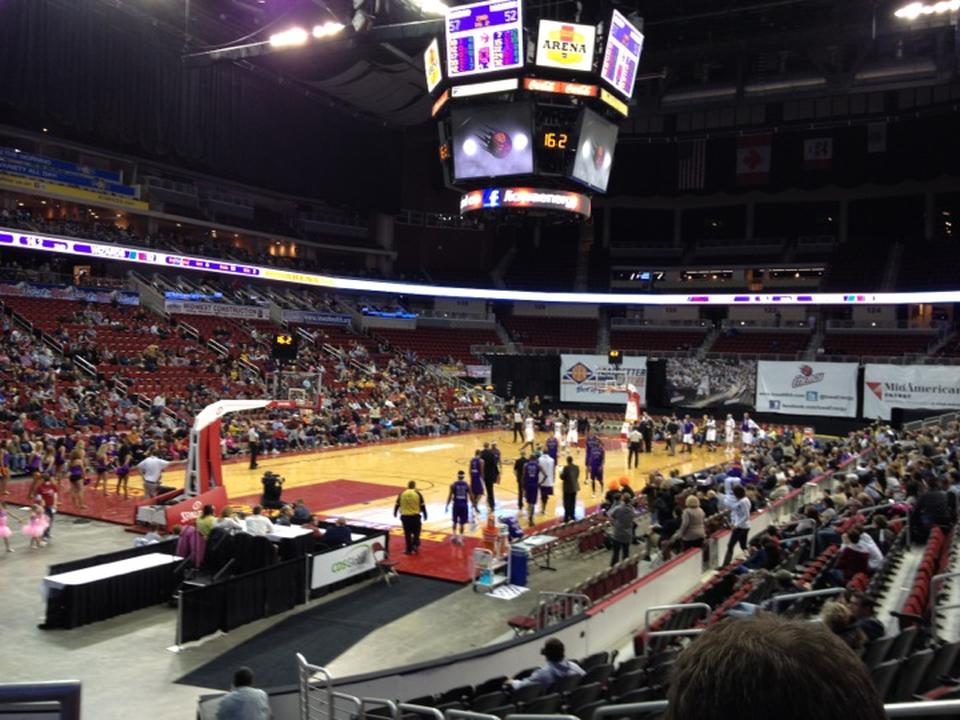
[(566, 45), (592, 379), (913, 387), (807, 388), (88, 250)]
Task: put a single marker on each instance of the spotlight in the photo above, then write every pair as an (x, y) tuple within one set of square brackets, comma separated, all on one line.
[(916, 9), (470, 147), (289, 38), (327, 29), (520, 142), (433, 7)]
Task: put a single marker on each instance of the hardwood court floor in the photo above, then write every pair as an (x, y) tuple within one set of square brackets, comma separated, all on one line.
[(433, 464)]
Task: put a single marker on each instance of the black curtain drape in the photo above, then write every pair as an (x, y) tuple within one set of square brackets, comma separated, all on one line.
[(117, 81), (167, 546)]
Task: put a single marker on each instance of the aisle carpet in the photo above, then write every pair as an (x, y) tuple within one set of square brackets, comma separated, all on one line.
[(320, 634), (327, 495)]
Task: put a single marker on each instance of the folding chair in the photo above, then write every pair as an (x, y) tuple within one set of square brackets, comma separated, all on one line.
[(387, 567)]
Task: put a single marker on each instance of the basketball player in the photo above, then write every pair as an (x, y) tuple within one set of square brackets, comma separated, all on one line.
[(558, 433), (552, 446), (476, 479), (531, 486), (548, 474), (729, 427), (688, 428), (528, 434), (597, 458), (461, 497), (748, 428), (711, 434), (573, 437), (518, 466)]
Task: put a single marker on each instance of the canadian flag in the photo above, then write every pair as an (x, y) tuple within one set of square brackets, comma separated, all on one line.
[(753, 159)]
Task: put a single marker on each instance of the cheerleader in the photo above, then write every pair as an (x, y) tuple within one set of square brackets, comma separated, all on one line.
[(5, 531), (60, 462), (36, 526), (34, 462), (123, 470), (729, 427), (711, 425), (76, 473), (102, 463)]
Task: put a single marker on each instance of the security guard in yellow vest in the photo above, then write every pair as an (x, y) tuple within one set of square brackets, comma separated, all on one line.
[(411, 506)]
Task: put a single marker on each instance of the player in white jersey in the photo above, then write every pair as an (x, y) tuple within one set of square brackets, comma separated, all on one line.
[(729, 432), (558, 431), (528, 434), (711, 439), (573, 438)]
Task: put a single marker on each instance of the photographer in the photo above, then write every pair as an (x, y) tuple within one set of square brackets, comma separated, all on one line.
[(272, 490)]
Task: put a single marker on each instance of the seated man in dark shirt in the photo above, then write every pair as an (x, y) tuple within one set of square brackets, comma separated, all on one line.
[(338, 535), (301, 513)]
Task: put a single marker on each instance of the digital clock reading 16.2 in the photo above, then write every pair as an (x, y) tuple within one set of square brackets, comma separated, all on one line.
[(555, 140)]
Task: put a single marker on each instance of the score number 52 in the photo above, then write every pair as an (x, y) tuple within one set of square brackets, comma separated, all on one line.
[(555, 140)]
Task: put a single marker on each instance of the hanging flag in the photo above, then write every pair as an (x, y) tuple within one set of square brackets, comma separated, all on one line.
[(818, 153), (753, 159), (691, 164), (877, 137)]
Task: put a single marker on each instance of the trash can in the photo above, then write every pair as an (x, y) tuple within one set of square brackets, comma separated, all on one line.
[(519, 560)]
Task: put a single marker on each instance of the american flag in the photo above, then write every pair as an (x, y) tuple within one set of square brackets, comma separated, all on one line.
[(692, 164)]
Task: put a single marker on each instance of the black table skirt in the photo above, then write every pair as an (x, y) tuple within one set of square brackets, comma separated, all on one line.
[(75, 605)]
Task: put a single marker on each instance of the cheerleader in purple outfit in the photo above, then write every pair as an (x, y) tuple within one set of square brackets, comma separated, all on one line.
[(34, 461), (76, 472), (60, 463), (103, 460), (5, 531), (123, 471), (4, 471), (36, 526)]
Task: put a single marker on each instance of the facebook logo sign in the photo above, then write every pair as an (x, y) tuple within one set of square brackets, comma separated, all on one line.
[(491, 198), (774, 404), (812, 396)]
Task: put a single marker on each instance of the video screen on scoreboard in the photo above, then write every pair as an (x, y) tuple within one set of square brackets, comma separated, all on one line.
[(484, 37), (492, 141), (622, 55), (596, 143)]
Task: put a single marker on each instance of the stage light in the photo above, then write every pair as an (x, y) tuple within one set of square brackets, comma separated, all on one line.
[(917, 9), (289, 38), (327, 29), (520, 142), (470, 147)]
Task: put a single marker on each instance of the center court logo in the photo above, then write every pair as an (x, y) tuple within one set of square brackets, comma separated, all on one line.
[(806, 377)]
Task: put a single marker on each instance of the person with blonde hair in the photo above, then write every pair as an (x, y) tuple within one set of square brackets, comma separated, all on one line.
[(692, 531)]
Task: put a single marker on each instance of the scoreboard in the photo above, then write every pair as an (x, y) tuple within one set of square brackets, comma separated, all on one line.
[(484, 37), (526, 122)]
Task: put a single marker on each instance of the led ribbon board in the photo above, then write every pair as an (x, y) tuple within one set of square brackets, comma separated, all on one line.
[(86, 249), (484, 37), (525, 198)]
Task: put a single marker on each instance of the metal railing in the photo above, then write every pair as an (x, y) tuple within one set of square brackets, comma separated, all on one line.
[(683, 632), (935, 584), (774, 602), (555, 607)]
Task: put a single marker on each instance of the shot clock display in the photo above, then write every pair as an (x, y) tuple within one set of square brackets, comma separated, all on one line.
[(554, 140), (285, 347)]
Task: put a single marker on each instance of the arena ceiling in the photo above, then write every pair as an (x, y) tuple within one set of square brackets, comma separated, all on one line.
[(693, 46)]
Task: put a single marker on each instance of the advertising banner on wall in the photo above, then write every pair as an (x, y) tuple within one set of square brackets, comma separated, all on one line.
[(336, 565), (807, 388), (242, 312), (711, 383), (913, 387), (311, 317), (591, 379)]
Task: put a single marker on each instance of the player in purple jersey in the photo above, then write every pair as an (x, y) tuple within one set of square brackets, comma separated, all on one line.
[(531, 485), (597, 458), (461, 497), (476, 479), (552, 446)]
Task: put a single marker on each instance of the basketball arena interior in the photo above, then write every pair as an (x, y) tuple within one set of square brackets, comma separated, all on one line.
[(484, 360)]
